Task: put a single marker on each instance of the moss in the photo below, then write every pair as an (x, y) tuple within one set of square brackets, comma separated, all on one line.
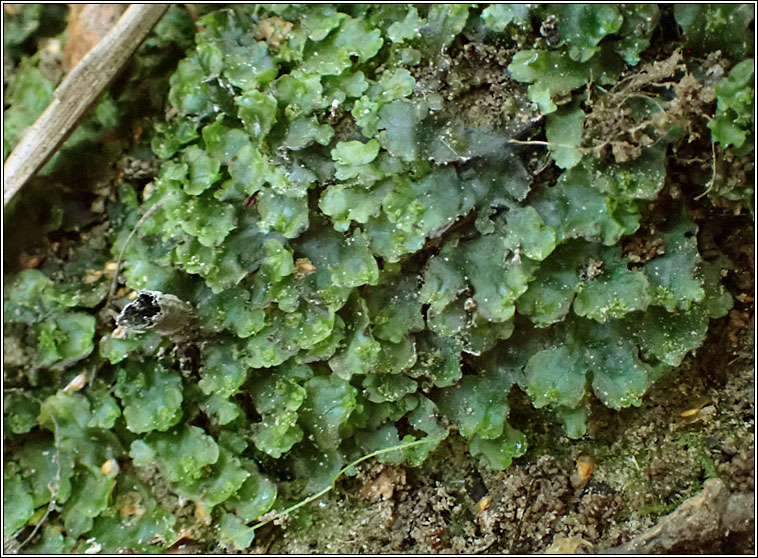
[(383, 254)]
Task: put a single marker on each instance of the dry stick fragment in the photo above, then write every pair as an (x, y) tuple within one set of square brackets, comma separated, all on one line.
[(87, 25), (79, 91), (709, 516)]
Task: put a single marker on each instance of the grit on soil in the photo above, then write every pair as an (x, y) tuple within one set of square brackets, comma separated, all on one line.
[(616, 487)]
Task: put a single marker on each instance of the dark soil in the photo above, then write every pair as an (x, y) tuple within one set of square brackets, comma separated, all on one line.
[(647, 460), (693, 425), (634, 467)]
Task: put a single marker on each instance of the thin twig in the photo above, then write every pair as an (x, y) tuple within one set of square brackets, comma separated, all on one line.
[(336, 478), (319, 494), (712, 181), (114, 283), (57, 483)]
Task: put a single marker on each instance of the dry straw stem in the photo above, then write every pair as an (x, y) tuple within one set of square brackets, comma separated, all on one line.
[(79, 91)]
